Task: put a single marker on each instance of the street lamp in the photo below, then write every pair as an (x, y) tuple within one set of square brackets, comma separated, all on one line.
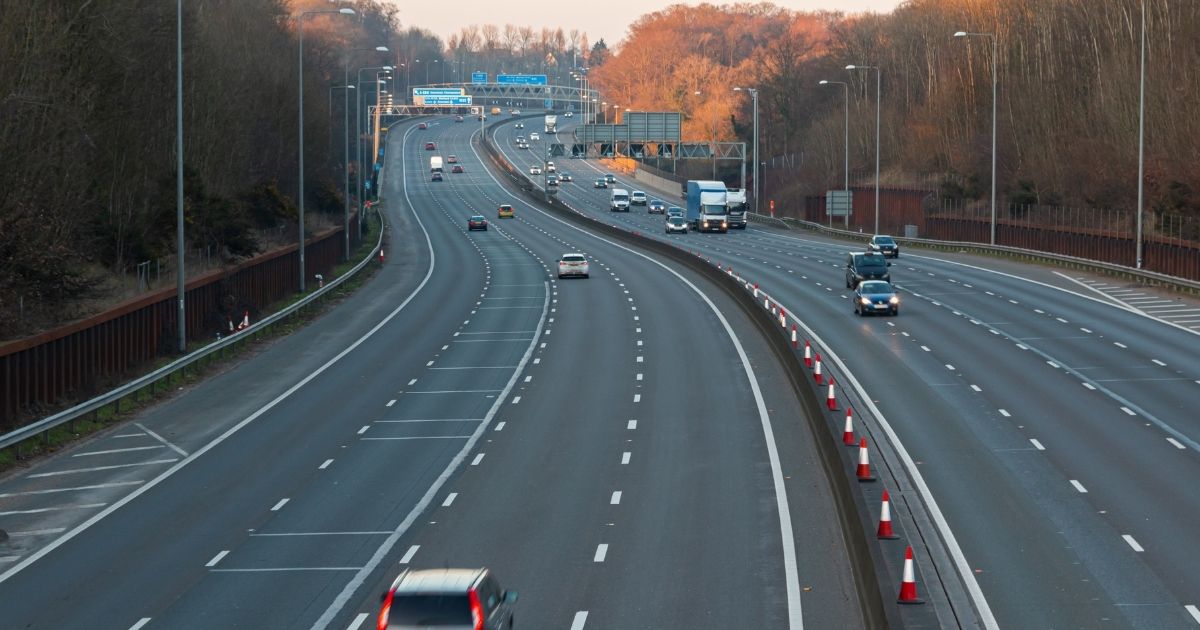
[(846, 172), (754, 95), (300, 98), (995, 64), (878, 82), (1141, 138), (346, 146)]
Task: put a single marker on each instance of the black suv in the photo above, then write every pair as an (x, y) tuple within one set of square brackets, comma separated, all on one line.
[(868, 266), (450, 598), (885, 245)]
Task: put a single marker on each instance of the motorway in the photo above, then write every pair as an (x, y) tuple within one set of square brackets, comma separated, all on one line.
[(1052, 414), (624, 451)]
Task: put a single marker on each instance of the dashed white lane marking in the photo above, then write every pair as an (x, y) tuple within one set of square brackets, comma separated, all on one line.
[(478, 458), (976, 388), (637, 398), (1039, 311), (925, 348), (1086, 330), (528, 378), (1119, 344), (625, 458), (1052, 364), (390, 402), (98, 486), (140, 623), (119, 450), (1177, 444), (579, 621), (1089, 386), (631, 425), (500, 426), (1036, 444), (364, 429), (358, 621), (408, 555), (1079, 486), (1061, 320), (1157, 362), (429, 364), (1128, 411), (639, 376), (84, 506), (949, 367), (516, 399), (640, 359), (601, 552), (450, 499), (217, 558), (279, 506), (616, 498), (1004, 412), (1022, 346), (1132, 543), (1193, 611), (325, 464), (537, 360), (72, 471), (414, 381)]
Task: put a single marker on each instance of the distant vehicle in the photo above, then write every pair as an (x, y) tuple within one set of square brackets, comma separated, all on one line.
[(522, 145), (676, 211), (735, 203), (520, 138), (706, 211), (452, 159), (868, 266), (482, 117), (569, 114), (431, 146), (885, 245), (618, 200), (656, 207), (447, 598), (676, 224), (436, 177), (550, 168), (565, 176), (637, 198), (608, 177), (600, 183), (534, 136), (535, 170), (422, 126), (458, 119), (515, 112), (551, 123), (519, 126), (457, 168), (495, 111), (435, 164), (551, 179), (505, 212), (477, 222), (875, 296), (572, 265)]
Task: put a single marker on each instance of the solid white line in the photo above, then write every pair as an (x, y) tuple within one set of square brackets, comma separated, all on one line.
[(625, 458), (217, 558), (160, 439), (1132, 543), (98, 486), (478, 458), (579, 621), (408, 555), (358, 621), (1004, 412), (631, 425), (118, 450), (1079, 486), (140, 622), (325, 464), (83, 506), (616, 498), (278, 506), (1193, 611), (1037, 444), (449, 499), (601, 552), (94, 469), (1176, 443)]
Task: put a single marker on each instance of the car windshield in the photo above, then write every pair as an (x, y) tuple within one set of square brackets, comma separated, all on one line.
[(676, 220), (573, 258), (476, 218), (871, 261), (714, 209), (884, 240), (875, 287), (424, 611), (620, 198)]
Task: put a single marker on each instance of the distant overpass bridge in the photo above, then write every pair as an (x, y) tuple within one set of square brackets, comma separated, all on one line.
[(558, 97)]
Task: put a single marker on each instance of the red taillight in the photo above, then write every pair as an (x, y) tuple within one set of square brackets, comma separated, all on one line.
[(476, 609), (382, 624)]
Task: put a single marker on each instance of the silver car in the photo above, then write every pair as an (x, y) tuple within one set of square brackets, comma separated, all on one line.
[(447, 598), (676, 224)]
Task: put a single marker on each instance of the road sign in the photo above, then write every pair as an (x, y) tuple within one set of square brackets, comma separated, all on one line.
[(521, 79), (442, 100), (838, 203), (438, 91), (479, 77)]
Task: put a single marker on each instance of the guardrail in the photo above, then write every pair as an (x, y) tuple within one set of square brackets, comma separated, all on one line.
[(1141, 275), (134, 387)]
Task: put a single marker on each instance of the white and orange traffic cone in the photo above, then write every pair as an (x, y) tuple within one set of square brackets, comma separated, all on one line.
[(782, 318), (831, 399), (795, 341), (807, 354), (767, 303), (381, 256), (908, 583), (848, 432), (864, 465), (885, 519), (817, 370), (756, 290)]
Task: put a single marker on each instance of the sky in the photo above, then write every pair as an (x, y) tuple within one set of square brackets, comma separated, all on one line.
[(608, 20)]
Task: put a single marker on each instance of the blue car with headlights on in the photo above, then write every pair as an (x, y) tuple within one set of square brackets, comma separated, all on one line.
[(875, 296)]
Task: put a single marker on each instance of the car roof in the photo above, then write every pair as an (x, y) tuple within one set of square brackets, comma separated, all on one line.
[(439, 580)]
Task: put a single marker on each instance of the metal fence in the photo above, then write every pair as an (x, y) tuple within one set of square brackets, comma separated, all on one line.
[(78, 360)]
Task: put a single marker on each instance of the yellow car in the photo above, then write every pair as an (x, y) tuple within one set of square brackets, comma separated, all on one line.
[(506, 212)]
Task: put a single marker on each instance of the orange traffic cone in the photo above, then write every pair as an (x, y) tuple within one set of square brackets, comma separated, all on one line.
[(848, 432), (864, 466), (908, 583), (885, 519)]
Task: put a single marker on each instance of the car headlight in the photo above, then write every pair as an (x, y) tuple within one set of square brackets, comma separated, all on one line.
[(865, 300), (894, 300)]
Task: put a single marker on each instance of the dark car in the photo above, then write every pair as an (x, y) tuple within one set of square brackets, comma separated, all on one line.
[(675, 211), (609, 178), (868, 266), (656, 207), (447, 598), (431, 146), (600, 183), (457, 168), (875, 296), (436, 177), (477, 222), (885, 245), (564, 177)]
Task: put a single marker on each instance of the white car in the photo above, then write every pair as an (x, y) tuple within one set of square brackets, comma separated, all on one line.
[(534, 136), (535, 170), (550, 168), (573, 265), (522, 145), (637, 198), (676, 224)]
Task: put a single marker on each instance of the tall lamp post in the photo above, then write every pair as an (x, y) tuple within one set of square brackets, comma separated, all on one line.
[(1141, 139), (846, 168), (180, 275), (878, 82), (300, 99), (346, 144), (754, 96), (995, 64)]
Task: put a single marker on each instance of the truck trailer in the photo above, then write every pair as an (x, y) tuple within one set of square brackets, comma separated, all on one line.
[(551, 123)]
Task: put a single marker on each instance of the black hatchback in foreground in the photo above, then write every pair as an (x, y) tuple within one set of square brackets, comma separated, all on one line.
[(447, 598)]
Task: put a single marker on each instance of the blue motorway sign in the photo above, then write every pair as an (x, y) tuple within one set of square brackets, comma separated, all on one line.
[(437, 91), (521, 79), (447, 100), (479, 77)]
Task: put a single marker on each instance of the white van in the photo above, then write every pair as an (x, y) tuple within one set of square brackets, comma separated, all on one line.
[(619, 200)]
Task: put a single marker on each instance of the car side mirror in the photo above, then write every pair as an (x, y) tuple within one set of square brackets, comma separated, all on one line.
[(510, 597)]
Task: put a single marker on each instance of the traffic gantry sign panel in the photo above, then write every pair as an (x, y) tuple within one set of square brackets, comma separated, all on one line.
[(521, 79), (438, 91)]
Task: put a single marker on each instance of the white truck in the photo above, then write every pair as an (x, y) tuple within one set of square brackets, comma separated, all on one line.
[(551, 123), (435, 164), (618, 200), (706, 206), (735, 201)]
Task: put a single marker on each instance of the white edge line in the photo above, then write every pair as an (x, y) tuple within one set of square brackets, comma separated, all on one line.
[(58, 542)]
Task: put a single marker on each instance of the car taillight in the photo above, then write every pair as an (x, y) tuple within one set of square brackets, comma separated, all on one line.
[(382, 623), (476, 610)]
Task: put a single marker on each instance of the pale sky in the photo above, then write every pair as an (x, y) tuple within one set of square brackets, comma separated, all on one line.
[(609, 19)]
